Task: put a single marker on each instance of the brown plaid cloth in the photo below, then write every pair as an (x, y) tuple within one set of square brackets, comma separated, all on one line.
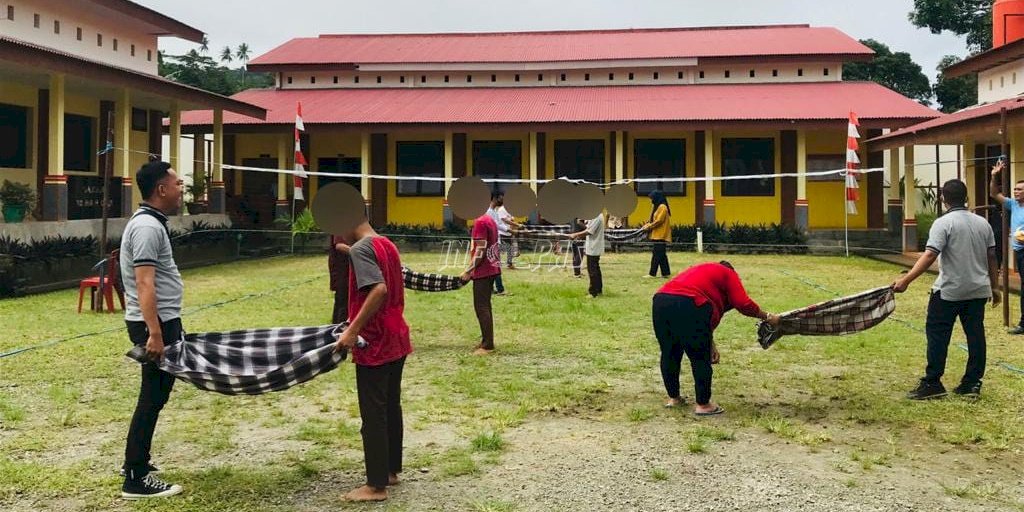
[(837, 316)]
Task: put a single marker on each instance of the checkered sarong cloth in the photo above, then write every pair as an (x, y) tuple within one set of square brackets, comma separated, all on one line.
[(251, 361), (837, 316), (430, 282), (257, 361), (560, 230)]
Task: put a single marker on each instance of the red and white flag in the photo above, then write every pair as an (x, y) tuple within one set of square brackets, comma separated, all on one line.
[(852, 163), (300, 160)]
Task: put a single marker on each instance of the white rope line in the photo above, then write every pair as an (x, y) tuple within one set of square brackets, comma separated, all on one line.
[(840, 172), (916, 164)]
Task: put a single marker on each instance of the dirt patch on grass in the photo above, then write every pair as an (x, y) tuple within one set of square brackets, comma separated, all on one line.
[(560, 463)]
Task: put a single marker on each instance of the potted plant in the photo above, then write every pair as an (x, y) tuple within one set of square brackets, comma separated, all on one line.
[(196, 202), (17, 199)]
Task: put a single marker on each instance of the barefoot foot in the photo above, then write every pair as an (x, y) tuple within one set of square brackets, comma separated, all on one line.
[(367, 493)]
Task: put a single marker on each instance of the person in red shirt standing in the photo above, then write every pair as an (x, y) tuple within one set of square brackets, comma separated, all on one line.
[(486, 267), (376, 303), (685, 313)]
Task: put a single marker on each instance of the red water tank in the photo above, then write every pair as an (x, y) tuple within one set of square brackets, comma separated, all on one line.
[(1007, 22)]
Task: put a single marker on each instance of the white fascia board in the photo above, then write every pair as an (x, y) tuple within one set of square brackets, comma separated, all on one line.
[(530, 66)]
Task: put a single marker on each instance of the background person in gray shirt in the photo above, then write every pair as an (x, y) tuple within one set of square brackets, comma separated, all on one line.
[(965, 247), (153, 290)]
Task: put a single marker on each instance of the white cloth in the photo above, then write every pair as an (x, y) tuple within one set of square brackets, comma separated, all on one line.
[(495, 214), (594, 245)]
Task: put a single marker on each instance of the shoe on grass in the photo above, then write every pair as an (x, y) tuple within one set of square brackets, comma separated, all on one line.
[(968, 390), (149, 469), (148, 486), (927, 391), (1016, 330)]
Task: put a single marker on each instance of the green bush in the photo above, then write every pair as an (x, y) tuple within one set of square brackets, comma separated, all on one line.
[(924, 225), (17, 194), (741, 238)]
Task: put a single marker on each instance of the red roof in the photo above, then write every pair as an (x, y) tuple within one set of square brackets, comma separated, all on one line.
[(981, 117), (585, 45), (494, 105)]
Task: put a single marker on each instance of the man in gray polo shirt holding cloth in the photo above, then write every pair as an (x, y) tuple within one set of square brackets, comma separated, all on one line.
[(965, 247), (153, 289)]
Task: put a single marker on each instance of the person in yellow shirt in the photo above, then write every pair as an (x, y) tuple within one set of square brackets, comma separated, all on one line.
[(659, 228)]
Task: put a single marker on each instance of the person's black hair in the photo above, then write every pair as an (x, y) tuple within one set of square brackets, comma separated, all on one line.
[(658, 198), (496, 193), (149, 177), (954, 193), (726, 264)]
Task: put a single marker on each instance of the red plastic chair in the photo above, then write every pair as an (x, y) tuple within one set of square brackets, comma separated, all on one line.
[(105, 284)]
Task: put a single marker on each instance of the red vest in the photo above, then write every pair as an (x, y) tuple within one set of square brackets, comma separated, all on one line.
[(386, 333)]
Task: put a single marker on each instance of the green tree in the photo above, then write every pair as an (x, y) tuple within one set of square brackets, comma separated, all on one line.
[(895, 70), (243, 56), (970, 18), (955, 93), (226, 55), (197, 69), (204, 46)]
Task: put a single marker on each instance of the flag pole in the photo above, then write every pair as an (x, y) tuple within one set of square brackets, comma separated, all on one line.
[(1006, 216), (846, 222)]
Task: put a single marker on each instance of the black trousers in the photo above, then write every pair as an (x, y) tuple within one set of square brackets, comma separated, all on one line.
[(380, 406), (577, 257), (683, 328), (659, 259), (594, 271), (482, 307), (942, 314), (1018, 258), (154, 391)]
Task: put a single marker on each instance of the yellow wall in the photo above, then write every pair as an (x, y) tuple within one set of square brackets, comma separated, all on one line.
[(412, 210), (331, 145), (16, 94), (747, 210), (683, 207), (827, 199)]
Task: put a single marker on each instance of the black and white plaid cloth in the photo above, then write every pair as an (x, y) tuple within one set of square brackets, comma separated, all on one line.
[(625, 235), (560, 230), (430, 282), (257, 361), (251, 361), (845, 315)]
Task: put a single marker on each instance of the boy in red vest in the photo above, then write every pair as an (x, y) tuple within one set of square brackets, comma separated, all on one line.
[(376, 300)]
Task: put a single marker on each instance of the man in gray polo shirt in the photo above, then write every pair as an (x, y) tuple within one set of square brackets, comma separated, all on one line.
[(965, 247), (153, 289)]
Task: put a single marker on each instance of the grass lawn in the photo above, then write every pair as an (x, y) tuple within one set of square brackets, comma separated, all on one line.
[(562, 358)]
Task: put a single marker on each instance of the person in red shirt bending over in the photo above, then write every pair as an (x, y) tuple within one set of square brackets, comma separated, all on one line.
[(376, 303), (686, 311)]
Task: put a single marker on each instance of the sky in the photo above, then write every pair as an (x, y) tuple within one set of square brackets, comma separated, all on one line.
[(264, 24)]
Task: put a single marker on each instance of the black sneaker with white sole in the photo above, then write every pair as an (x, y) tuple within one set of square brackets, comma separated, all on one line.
[(927, 391), (149, 469), (968, 390), (147, 487)]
